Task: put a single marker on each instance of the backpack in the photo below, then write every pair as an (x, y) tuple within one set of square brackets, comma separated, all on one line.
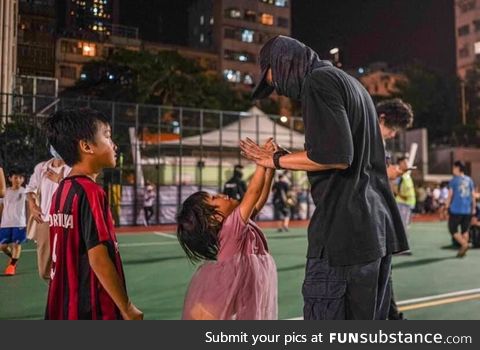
[(475, 236)]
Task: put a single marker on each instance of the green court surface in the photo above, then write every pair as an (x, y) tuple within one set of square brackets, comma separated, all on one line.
[(158, 273)]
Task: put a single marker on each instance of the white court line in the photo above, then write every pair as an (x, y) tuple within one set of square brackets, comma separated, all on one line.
[(439, 296), (163, 234), (423, 299), (122, 245)]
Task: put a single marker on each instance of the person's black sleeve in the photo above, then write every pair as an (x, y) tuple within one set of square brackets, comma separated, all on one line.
[(328, 138)]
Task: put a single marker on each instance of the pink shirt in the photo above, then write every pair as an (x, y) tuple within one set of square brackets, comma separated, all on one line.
[(241, 284)]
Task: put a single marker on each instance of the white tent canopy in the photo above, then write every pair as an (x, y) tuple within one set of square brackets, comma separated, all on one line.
[(255, 124)]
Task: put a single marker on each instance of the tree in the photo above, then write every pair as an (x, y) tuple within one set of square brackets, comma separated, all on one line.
[(472, 93), (22, 144), (165, 78), (433, 99)]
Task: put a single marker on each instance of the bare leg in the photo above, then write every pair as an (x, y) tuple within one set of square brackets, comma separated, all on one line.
[(460, 238)]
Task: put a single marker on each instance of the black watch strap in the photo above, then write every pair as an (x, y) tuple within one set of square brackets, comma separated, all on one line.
[(276, 158)]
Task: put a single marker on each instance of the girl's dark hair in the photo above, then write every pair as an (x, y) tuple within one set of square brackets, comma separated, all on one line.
[(198, 228), (66, 128), (397, 113)]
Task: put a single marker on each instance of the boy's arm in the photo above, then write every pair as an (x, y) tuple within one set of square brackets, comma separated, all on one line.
[(3, 185), (474, 201), (265, 191), (254, 190), (449, 198), (106, 273)]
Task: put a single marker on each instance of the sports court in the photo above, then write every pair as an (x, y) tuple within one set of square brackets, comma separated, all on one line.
[(430, 285)]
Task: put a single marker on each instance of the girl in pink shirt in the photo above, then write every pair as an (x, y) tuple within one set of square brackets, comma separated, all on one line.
[(238, 280)]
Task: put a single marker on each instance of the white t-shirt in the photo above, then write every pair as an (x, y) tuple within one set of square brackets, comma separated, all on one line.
[(41, 185), (149, 197), (14, 208)]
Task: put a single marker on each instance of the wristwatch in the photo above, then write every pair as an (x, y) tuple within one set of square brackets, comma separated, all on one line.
[(276, 158)]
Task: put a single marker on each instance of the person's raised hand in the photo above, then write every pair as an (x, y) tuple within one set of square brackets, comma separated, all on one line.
[(257, 154)]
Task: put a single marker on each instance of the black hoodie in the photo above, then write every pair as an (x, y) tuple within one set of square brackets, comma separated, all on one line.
[(356, 218)]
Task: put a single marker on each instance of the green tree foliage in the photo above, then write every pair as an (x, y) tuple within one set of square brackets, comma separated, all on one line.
[(434, 101), (165, 78), (472, 94), (22, 144)]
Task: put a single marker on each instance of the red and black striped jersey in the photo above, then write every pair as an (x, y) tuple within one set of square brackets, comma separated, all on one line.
[(80, 219)]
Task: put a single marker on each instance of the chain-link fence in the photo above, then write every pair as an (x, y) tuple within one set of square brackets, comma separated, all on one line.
[(176, 150)]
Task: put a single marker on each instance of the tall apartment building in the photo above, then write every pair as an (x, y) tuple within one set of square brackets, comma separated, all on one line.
[(467, 27), (86, 17), (236, 30), (36, 38), (8, 51)]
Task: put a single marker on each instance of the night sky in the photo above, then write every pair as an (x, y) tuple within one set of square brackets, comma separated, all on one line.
[(395, 31)]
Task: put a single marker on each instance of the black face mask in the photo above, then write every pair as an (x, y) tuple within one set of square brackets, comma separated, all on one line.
[(291, 61)]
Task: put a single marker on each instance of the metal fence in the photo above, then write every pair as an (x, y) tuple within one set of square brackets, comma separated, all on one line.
[(177, 150)]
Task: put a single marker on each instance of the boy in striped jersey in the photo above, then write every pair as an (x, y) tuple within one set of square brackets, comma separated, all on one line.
[(87, 279)]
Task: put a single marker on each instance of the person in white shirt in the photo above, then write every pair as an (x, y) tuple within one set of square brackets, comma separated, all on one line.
[(148, 200), (40, 189), (12, 227)]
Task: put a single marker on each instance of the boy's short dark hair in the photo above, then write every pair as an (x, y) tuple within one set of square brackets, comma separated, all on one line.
[(401, 159), (197, 229), (66, 128), (396, 113), (460, 165)]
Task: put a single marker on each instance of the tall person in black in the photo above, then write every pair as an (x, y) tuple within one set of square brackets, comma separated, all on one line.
[(356, 226)]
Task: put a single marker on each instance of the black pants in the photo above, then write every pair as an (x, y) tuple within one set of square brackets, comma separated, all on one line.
[(148, 214), (354, 292), (393, 313)]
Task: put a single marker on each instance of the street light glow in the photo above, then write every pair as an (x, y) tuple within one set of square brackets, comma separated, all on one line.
[(334, 51)]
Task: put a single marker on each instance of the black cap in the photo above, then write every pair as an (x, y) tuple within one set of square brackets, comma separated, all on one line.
[(263, 89)]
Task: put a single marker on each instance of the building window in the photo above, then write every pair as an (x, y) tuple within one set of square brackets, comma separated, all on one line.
[(248, 79), (477, 48), (278, 3), (250, 16), (68, 72), (212, 21), (266, 19), (238, 56), (282, 22), (233, 76), (88, 49), (463, 52), (233, 13), (230, 33), (476, 25), (202, 38), (247, 35), (202, 20), (466, 5), (464, 30)]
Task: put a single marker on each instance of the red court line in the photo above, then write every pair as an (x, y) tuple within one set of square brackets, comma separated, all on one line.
[(263, 224)]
